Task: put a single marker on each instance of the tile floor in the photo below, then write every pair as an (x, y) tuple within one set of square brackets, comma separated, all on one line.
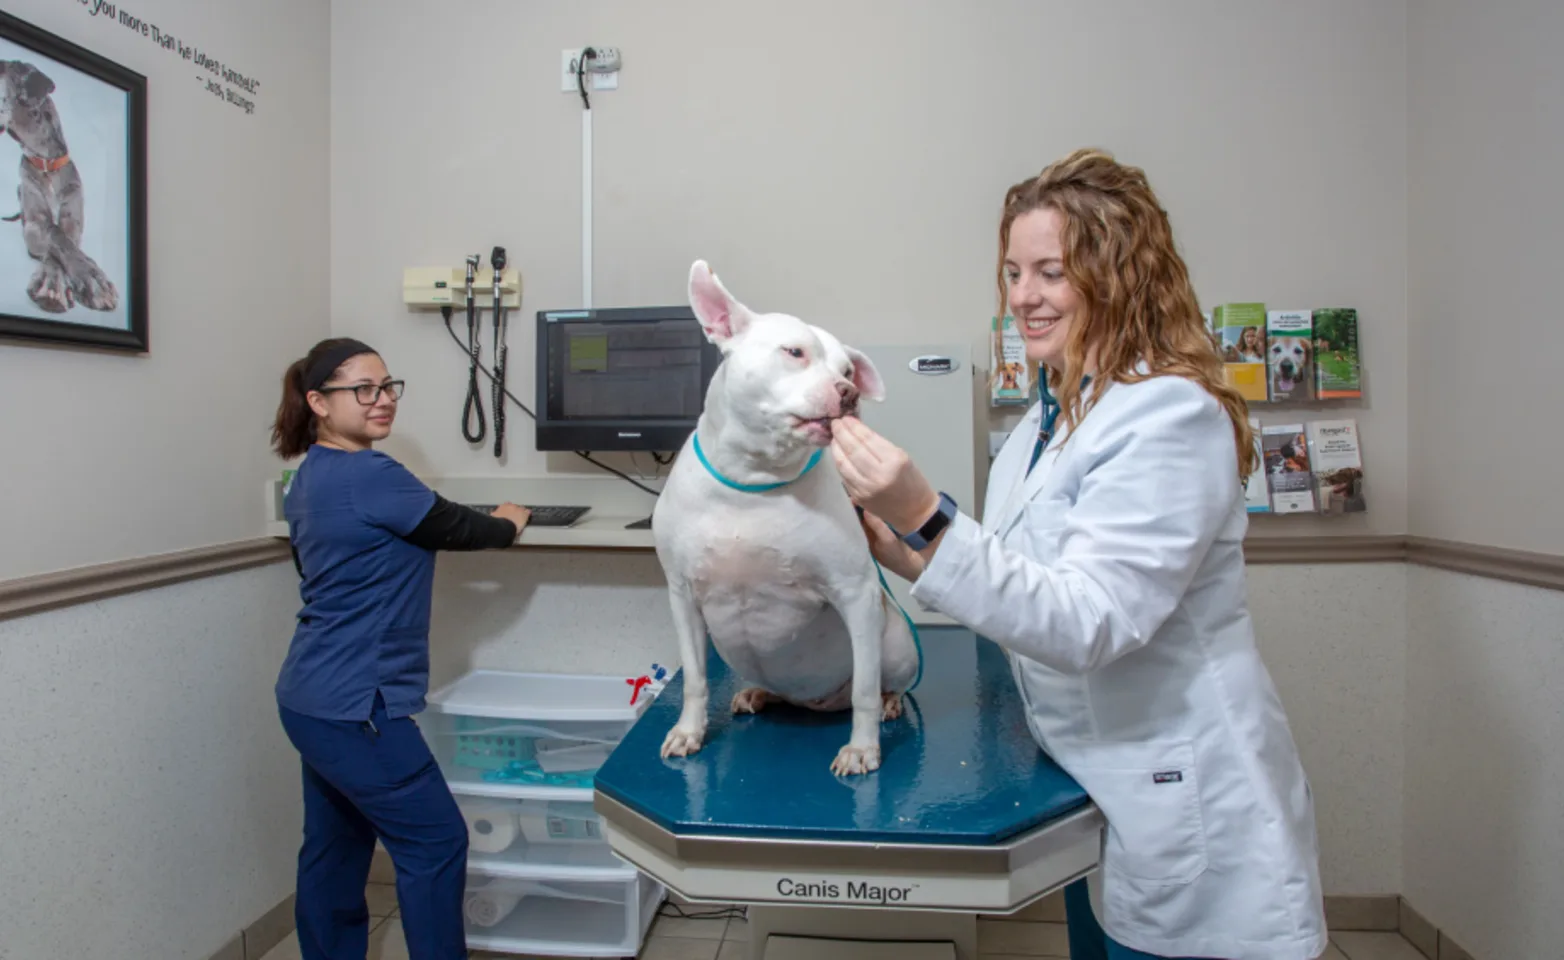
[(1034, 934)]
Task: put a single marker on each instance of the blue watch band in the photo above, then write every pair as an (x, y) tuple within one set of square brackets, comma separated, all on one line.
[(943, 515)]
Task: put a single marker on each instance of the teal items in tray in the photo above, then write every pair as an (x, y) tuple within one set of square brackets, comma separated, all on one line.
[(515, 752), (527, 771)]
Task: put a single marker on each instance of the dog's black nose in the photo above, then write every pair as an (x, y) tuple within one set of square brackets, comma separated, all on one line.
[(846, 390)]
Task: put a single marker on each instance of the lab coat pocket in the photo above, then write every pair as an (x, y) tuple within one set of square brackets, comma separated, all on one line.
[(1150, 794)]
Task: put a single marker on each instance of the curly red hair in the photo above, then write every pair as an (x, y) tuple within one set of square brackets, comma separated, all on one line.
[(1138, 303)]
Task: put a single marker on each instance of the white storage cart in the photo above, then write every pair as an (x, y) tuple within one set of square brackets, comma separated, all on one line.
[(519, 751)]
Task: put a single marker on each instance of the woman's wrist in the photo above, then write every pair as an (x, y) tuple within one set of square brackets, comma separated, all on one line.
[(915, 519)]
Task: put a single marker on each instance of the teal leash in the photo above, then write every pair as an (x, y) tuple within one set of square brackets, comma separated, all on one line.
[(917, 641), (814, 458)]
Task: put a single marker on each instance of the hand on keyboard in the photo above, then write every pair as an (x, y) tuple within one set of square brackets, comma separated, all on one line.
[(539, 516), (517, 515)]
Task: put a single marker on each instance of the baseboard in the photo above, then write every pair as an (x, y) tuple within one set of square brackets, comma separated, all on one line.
[(1429, 940), (261, 937), (1392, 914)]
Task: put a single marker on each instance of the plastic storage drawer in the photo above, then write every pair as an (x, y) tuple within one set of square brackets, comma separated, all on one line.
[(560, 918), (532, 735), (555, 839)]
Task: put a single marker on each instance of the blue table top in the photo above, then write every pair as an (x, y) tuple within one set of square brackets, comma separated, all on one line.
[(959, 766)]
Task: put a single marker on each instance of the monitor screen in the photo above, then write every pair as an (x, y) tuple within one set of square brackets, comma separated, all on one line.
[(621, 378)]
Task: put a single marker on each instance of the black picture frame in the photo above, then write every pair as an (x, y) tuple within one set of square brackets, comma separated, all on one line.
[(95, 89)]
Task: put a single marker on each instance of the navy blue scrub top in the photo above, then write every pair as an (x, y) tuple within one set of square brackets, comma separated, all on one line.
[(364, 626)]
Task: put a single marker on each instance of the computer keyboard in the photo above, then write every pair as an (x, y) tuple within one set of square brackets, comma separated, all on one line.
[(543, 516)]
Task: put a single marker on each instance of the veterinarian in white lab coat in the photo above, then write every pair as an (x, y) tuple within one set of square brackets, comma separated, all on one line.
[(1109, 563)]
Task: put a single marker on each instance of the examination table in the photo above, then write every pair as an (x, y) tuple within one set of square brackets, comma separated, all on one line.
[(965, 815)]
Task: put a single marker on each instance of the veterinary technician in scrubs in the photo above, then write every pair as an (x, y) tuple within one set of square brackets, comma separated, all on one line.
[(1109, 563), (364, 533)]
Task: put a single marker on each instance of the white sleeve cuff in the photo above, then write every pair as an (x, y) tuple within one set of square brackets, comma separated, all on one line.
[(935, 588)]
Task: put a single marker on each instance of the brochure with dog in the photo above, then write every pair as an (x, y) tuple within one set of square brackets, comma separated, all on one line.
[(1337, 460), (1289, 349), (1257, 496), (1287, 471), (1338, 368), (1242, 327), (1014, 376)]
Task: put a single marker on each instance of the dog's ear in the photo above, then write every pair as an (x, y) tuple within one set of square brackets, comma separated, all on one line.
[(865, 377), (722, 317), (35, 84)]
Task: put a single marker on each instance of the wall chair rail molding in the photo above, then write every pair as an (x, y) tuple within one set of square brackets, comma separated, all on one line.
[(27, 595), (1305, 550), (1495, 563)]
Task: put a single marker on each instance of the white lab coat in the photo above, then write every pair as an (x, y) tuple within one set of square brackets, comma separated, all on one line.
[(1114, 576)]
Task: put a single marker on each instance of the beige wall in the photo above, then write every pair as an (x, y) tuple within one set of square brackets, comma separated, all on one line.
[(1484, 150), (110, 457), (150, 799), (1484, 837), (1484, 851), (845, 162)]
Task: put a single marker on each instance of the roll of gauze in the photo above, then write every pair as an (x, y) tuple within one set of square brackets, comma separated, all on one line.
[(485, 908), (491, 827)]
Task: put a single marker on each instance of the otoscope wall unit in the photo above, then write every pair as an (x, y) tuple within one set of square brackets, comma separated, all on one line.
[(430, 288)]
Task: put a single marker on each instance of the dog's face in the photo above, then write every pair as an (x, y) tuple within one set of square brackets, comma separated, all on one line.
[(27, 110), (1289, 362), (781, 377)]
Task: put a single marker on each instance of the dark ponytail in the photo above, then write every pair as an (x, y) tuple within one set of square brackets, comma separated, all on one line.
[(294, 429)]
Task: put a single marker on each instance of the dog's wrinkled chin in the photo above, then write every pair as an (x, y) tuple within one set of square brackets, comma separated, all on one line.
[(816, 433)]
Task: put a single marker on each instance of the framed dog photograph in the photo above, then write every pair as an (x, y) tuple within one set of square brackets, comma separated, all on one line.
[(73, 193)]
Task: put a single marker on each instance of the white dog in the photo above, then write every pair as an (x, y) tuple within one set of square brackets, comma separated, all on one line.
[(760, 544)]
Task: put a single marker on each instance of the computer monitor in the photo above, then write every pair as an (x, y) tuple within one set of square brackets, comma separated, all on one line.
[(621, 378)]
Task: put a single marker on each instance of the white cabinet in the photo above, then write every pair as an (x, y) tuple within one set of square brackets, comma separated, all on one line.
[(519, 751)]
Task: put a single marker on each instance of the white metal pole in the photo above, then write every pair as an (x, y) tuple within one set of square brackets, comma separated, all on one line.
[(586, 209)]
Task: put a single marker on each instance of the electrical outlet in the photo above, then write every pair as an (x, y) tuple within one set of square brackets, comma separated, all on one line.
[(602, 69)]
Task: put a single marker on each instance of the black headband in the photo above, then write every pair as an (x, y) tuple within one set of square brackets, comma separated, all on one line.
[(327, 363)]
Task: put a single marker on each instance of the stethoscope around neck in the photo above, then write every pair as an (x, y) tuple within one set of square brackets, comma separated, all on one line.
[(1051, 408)]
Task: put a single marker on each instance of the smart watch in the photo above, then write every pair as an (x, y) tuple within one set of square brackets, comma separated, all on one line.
[(932, 527)]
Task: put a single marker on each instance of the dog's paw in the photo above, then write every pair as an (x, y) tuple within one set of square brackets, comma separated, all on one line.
[(853, 761), (751, 700), (50, 288), (890, 706), (682, 741), (93, 288)]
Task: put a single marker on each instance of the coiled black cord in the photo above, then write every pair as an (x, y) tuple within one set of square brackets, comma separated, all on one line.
[(524, 409), (474, 402)]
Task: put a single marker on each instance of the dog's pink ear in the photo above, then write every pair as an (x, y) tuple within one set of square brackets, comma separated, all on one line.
[(865, 377), (721, 316)]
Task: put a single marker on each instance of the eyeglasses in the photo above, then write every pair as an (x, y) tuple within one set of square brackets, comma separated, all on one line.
[(368, 394)]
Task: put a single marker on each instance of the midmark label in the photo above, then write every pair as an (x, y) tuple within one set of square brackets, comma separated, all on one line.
[(851, 891)]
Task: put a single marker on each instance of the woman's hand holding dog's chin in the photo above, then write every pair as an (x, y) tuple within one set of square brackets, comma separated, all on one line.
[(880, 477)]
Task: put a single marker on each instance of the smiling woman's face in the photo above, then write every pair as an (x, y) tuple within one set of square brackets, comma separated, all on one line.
[(1040, 298), (344, 420)]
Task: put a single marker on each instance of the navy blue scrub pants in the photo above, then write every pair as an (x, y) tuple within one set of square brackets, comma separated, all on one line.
[(1088, 941), (363, 780)]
